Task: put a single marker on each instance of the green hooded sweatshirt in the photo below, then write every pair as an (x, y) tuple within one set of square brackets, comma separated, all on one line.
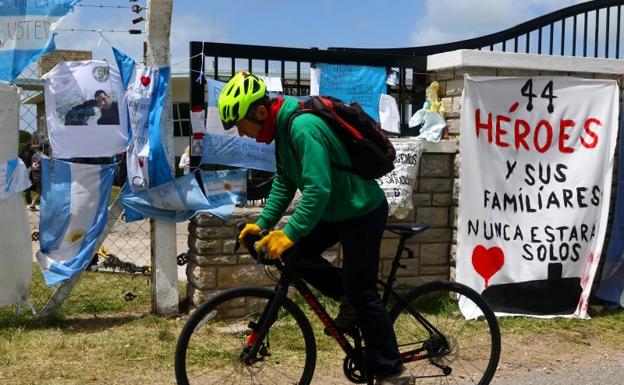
[(328, 194)]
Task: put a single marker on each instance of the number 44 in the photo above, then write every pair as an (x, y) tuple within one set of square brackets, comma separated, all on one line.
[(547, 93)]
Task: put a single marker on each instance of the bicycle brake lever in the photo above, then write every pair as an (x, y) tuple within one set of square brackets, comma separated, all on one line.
[(239, 227)]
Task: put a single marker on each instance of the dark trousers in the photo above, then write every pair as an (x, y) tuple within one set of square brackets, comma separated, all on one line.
[(357, 280)]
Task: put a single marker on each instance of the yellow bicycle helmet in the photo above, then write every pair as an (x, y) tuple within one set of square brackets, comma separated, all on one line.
[(237, 96)]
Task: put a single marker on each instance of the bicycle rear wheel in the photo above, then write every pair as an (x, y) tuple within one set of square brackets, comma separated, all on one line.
[(467, 349), (212, 341)]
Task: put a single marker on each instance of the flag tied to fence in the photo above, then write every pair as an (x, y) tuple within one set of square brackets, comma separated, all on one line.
[(74, 208), (180, 199), (145, 93), (27, 32)]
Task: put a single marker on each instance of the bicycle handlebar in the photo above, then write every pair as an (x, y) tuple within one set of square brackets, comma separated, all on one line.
[(250, 244)]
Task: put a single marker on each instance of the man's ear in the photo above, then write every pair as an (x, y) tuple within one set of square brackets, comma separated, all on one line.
[(262, 112)]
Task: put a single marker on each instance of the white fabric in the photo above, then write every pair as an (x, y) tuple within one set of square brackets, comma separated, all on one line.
[(198, 124), (71, 84), (389, 114), (399, 183), (273, 83), (515, 224), (315, 76), (12, 183), (138, 96), (15, 242)]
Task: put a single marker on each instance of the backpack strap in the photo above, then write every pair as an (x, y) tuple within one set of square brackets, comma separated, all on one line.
[(292, 117)]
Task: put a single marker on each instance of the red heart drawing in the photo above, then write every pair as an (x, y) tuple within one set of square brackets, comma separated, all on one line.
[(487, 262), (141, 163), (145, 80)]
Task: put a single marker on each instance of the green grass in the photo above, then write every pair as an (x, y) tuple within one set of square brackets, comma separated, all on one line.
[(98, 337)]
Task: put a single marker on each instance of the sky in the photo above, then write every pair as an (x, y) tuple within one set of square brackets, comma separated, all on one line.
[(301, 24)]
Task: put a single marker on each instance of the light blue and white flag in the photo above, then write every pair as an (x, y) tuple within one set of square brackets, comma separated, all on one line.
[(27, 32), (354, 83), (74, 209), (225, 187), (13, 178), (611, 287), (146, 160), (176, 201), (225, 147)]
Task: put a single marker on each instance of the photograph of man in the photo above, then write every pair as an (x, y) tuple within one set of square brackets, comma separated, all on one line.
[(109, 110), (79, 115)]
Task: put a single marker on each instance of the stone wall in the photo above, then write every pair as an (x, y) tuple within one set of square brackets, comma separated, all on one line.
[(213, 265)]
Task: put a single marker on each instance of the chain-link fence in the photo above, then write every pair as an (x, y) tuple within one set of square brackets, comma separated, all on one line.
[(118, 279)]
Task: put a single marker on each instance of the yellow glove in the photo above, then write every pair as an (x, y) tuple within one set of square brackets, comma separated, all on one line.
[(274, 244), (250, 228)]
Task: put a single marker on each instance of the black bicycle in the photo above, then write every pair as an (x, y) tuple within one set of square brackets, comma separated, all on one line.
[(446, 331)]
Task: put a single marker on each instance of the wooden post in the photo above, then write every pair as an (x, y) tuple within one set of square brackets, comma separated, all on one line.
[(163, 235)]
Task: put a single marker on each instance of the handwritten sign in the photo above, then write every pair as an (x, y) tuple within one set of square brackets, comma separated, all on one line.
[(535, 182), (399, 183), (352, 83), (139, 98)]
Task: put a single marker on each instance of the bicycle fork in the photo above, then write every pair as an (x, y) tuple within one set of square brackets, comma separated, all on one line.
[(254, 342)]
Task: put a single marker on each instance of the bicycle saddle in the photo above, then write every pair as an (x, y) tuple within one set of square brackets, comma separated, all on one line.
[(406, 229)]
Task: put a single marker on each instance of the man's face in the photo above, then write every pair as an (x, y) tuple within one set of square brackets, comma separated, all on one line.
[(248, 128), (103, 101)]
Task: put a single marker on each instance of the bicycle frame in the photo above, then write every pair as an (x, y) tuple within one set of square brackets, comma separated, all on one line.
[(290, 277)]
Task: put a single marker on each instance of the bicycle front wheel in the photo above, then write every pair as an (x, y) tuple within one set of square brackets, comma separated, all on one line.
[(460, 350), (213, 341)]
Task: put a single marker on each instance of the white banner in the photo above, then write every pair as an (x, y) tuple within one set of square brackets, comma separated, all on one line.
[(536, 165), (84, 109), (15, 242), (398, 184)]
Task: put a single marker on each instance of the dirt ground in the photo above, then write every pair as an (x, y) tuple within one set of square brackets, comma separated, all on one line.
[(526, 357)]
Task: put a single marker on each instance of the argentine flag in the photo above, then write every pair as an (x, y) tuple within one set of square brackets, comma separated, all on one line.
[(27, 32), (146, 160), (74, 208), (178, 201)]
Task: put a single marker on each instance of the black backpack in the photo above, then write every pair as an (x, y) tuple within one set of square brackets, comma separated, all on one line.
[(371, 152)]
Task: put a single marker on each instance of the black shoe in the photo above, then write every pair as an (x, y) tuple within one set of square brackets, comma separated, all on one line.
[(346, 318)]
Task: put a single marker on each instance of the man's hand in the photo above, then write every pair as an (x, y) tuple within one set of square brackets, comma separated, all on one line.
[(274, 244), (250, 228)]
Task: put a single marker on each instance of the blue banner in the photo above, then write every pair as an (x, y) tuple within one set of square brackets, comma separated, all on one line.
[(238, 152), (226, 147), (74, 209), (176, 201), (612, 281), (353, 83), (27, 32)]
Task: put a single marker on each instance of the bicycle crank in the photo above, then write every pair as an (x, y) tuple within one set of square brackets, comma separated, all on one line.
[(353, 371)]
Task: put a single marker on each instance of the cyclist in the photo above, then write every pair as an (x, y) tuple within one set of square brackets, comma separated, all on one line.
[(336, 206)]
